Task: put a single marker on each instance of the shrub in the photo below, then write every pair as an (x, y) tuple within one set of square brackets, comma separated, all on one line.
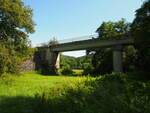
[(102, 61), (9, 61), (111, 93), (67, 71), (88, 69)]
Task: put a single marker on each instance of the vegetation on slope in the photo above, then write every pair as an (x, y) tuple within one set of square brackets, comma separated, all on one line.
[(75, 62)]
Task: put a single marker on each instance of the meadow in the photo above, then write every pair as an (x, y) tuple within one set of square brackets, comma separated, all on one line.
[(34, 93), (28, 85)]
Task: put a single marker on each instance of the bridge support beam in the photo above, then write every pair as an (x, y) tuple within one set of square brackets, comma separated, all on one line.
[(117, 58), (53, 61)]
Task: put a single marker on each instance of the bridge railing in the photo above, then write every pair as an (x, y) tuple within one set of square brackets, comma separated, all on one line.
[(45, 44), (83, 38), (78, 39)]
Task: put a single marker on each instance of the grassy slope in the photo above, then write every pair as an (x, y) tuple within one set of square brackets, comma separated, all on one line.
[(31, 83)]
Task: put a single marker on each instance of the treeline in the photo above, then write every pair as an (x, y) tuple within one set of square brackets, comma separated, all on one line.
[(75, 62), (136, 57)]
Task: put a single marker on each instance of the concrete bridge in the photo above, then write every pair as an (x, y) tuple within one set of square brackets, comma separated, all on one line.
[(53, 57)]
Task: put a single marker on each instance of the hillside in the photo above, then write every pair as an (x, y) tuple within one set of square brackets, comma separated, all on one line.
[(75, 63)]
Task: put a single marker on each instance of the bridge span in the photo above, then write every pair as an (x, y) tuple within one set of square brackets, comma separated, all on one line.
[(89, 44), (53, 57)]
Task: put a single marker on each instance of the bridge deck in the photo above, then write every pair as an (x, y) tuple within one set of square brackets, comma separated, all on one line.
[(88, 44)]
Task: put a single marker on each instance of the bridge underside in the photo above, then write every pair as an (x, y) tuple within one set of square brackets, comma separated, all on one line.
[(53, 51)]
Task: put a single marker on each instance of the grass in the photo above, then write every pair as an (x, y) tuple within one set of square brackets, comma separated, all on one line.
[(31, 83), (78, 71), (110, 93), (18, 93)]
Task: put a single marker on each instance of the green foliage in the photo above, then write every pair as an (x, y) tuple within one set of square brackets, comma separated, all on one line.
[(109, 30), (84, 62), (53, 42), (141, 24), (15, 25), (66, 70), (88, 69), (141, 32), (121, 94), (102, 59), (68, 61), (114, 93), (110, 93), (129, 58), (9, 61), (14, 17), (17, 93)]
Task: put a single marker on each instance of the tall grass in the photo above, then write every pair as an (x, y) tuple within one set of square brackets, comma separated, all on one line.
[(114, 93), (28, 84)]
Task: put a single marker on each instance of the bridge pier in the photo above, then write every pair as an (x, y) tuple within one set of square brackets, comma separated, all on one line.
[(117, 58), (53, 51), (53, 60)]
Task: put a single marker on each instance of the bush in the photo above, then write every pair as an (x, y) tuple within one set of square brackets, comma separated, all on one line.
[(140, 30), (88, 69), (111, 93), (67, 71), (102, 61), (118, 94), (9, 61), (129, 58)]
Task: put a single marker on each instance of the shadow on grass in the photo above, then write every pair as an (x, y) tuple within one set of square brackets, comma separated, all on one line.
[(17, 104), (110, 94)]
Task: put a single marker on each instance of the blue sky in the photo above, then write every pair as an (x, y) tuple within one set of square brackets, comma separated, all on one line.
[(66, 19)]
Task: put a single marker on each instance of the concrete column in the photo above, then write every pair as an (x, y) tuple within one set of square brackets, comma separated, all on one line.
[(117, 58), (53, 60), (57, 64)]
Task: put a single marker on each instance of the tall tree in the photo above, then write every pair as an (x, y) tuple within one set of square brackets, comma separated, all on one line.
[(102, 59), (141, 32), (113, 29), (15, 23)]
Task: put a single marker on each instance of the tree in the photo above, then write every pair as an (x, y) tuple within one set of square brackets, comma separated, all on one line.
[(15, 23), (102, 59), (141, 33), (52, 42), (110, 29)]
